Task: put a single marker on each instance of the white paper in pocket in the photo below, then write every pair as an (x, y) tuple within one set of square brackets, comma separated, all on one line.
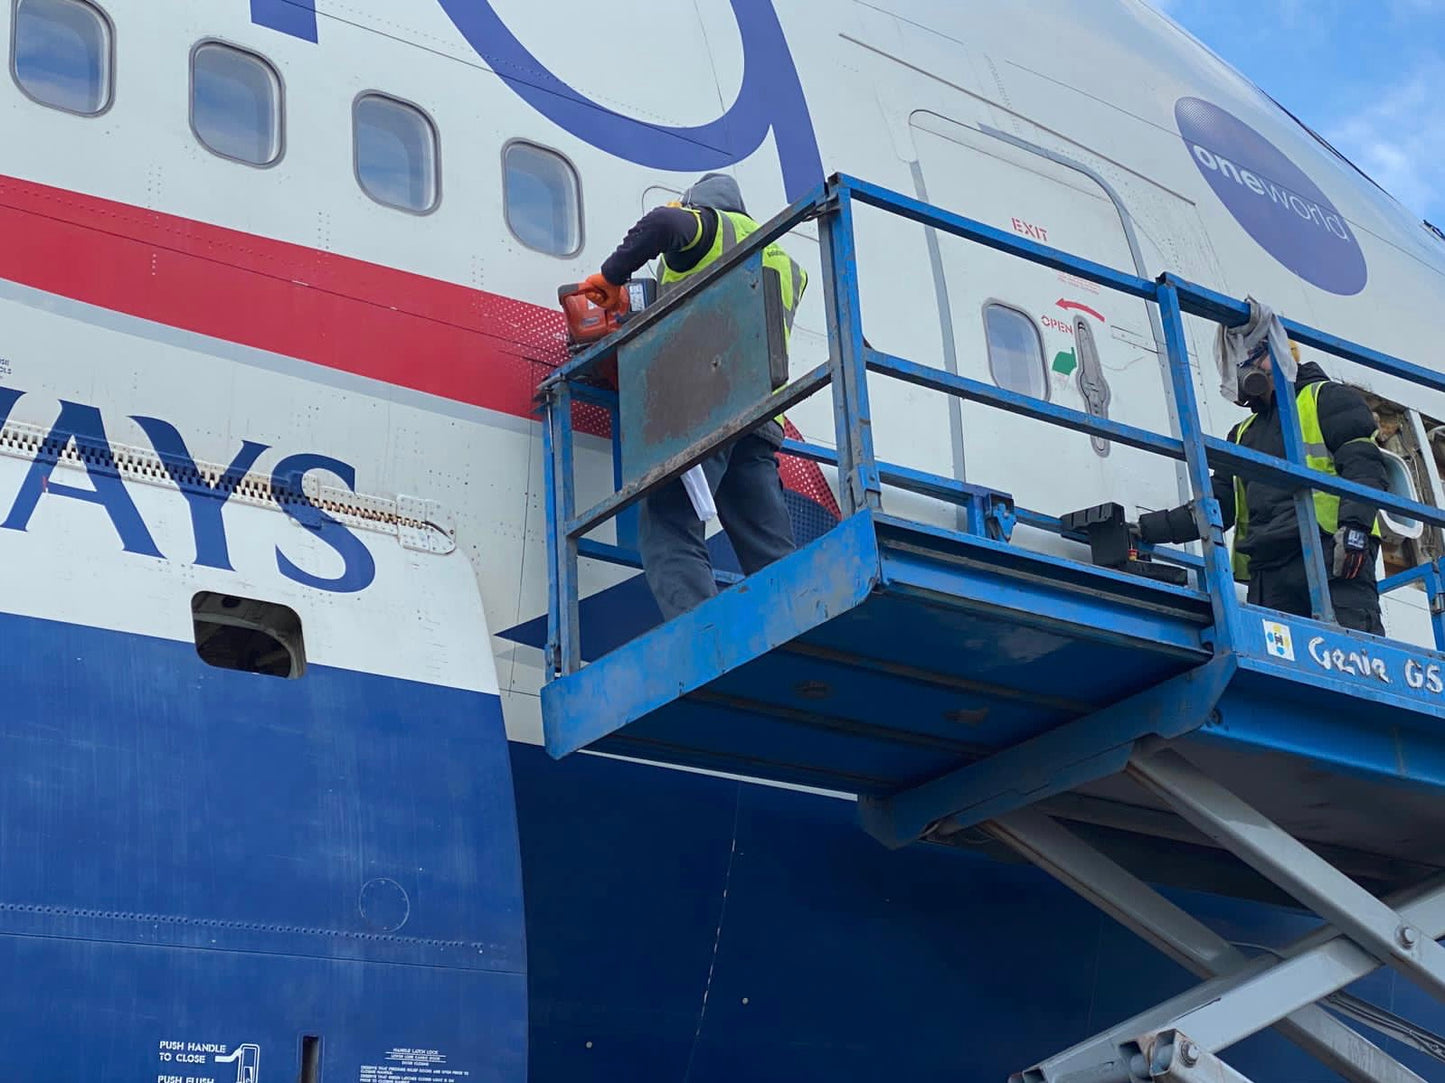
[(695, 482)]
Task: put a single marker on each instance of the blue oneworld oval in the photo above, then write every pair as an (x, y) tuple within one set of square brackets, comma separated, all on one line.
[(1272, 198)]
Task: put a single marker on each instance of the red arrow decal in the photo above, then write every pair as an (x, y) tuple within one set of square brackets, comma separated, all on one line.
[(1081, 308)]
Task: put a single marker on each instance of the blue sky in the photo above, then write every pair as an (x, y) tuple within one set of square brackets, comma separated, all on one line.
[(1368, 75)]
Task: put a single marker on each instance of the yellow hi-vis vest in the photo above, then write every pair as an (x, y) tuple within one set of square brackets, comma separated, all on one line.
[(733, 229), (1317, 457)]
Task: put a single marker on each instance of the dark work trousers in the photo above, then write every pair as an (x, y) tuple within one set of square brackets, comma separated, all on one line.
[(748, 493), (1356, 601)]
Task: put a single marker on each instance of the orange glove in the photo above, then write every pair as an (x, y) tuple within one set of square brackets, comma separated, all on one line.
[(603, 293)]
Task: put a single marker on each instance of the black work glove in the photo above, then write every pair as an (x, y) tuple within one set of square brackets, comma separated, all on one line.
[(1352, 550)]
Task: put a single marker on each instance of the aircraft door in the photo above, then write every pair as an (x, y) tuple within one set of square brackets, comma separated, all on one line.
[(1040, 332)]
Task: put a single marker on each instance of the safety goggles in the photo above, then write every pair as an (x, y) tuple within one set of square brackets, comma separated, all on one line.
[(1256, 356)]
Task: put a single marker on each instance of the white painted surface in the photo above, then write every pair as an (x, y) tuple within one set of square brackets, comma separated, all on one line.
[(1098, 85)]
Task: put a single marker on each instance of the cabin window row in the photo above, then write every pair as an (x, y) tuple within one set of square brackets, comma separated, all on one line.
[(63, 56)]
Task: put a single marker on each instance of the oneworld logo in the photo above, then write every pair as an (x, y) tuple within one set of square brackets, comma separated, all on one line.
[(1272, 198)]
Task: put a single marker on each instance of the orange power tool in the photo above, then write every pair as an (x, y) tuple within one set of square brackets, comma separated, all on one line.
[(587, 323)]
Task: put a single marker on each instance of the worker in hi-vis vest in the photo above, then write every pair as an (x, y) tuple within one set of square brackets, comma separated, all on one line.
[(690, 236), (1338, 429)]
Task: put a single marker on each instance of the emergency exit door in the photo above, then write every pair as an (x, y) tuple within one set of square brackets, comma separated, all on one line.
[(1039, 332)]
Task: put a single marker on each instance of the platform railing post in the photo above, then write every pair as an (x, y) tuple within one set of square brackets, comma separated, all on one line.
[(1218, 573), (549, 512), (628, 520), (859, 482), (563, 653), (1311, 545)]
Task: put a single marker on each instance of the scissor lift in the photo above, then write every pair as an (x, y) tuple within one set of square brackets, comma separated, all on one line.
[(955, 681)]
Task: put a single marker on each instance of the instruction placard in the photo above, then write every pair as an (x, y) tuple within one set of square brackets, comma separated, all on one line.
[(181, 1061), (412, 1066)]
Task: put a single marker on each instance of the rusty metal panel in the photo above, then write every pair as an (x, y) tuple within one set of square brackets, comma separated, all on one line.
[(696, 369)]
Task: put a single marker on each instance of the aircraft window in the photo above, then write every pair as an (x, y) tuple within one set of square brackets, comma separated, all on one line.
[(61, 54), (1015, 351), (543, 199), (236, 104), (396, 153), (249, 635)]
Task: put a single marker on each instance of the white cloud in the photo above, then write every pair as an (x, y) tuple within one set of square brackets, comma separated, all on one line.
[(1397, 137)]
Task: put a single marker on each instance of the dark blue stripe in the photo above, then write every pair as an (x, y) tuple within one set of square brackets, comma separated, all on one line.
[(294, 17)]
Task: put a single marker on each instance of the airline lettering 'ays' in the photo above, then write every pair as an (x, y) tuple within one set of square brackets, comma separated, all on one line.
[(84, 426)]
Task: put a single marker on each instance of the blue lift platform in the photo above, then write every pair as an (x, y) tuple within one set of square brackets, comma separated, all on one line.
[(958, 682)]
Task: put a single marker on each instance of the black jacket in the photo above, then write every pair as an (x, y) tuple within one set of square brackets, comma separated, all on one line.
[(663, 231), (1272, 538)]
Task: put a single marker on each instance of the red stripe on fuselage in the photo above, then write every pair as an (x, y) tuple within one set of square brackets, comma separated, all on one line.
[(347, 314)]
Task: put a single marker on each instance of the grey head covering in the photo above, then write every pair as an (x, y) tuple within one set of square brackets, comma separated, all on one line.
[(1235, 345), (718, 191)]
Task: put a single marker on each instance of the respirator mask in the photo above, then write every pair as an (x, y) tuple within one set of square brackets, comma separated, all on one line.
[(1254, 379)]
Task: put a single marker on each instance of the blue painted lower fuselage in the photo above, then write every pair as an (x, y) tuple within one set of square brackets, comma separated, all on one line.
[(193, 860)]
